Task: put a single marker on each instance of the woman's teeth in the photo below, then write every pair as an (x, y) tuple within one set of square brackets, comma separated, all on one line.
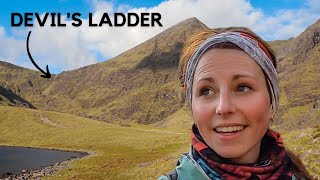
[(229, 129)]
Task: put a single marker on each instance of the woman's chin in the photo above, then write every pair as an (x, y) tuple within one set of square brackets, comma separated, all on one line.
[(229, 149), (229, 155), (237, 154)]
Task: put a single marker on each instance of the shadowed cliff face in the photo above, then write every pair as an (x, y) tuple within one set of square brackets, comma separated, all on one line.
[(19, 86), (142, 85), (7, 97)]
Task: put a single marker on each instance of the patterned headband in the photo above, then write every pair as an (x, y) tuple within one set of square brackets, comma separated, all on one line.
[(249, 45)]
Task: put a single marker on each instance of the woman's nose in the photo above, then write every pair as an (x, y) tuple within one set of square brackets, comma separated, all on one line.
[(225, 104)]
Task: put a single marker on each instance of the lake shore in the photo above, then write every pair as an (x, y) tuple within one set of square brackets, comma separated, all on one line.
[(45, 171)]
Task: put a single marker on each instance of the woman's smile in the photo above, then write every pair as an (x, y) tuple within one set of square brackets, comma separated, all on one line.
[(229, 129), (227, 133)]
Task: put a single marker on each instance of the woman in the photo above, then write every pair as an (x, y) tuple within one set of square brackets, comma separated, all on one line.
[(232, 88)]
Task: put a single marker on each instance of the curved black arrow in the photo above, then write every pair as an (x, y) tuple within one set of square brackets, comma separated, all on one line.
[(45, 74)]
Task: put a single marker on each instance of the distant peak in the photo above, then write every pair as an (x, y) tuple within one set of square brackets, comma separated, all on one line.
[(192, 20)]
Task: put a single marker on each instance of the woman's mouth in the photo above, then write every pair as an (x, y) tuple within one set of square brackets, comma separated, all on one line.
[(226, 133), (229, 129)]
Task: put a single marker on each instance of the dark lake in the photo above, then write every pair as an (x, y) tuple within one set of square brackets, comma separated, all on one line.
[(15, 159)]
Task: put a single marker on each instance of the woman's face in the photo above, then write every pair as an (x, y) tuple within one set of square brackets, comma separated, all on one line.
[(230, 104)]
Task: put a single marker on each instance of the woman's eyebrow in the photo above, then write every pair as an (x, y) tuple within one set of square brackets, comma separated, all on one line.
[(234, 77), (209, 79), (238, 76)]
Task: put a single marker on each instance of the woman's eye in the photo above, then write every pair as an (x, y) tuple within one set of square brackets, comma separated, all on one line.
[(243, 88), (206, 92)]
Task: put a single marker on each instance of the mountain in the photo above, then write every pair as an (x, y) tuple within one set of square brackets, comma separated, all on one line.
[(299, 73), (139, 85)]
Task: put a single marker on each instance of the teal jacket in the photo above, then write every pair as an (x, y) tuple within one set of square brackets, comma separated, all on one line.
[(189, 169)]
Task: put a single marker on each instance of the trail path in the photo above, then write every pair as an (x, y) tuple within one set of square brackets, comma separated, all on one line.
[(47, 90), (42, 116)]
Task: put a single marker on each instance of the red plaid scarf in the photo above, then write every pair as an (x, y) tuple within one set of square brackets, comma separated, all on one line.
[(273, 164)]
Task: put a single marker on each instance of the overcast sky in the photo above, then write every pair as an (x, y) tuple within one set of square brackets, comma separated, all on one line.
[(67, 48)]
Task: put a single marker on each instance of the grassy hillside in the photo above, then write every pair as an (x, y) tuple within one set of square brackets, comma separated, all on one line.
[(138, 152), (182, 119), (305, 143)]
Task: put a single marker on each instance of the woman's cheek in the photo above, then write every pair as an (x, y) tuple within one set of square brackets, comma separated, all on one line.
[(259, 108), (202, 112)]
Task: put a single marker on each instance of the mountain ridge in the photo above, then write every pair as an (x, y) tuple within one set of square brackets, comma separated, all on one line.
[(80, 91), (141, 84)]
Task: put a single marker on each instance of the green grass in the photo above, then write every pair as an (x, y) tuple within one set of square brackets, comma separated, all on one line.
[(119, 151), (297, 111), (181, 119), (283, 101), (135, 152)]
